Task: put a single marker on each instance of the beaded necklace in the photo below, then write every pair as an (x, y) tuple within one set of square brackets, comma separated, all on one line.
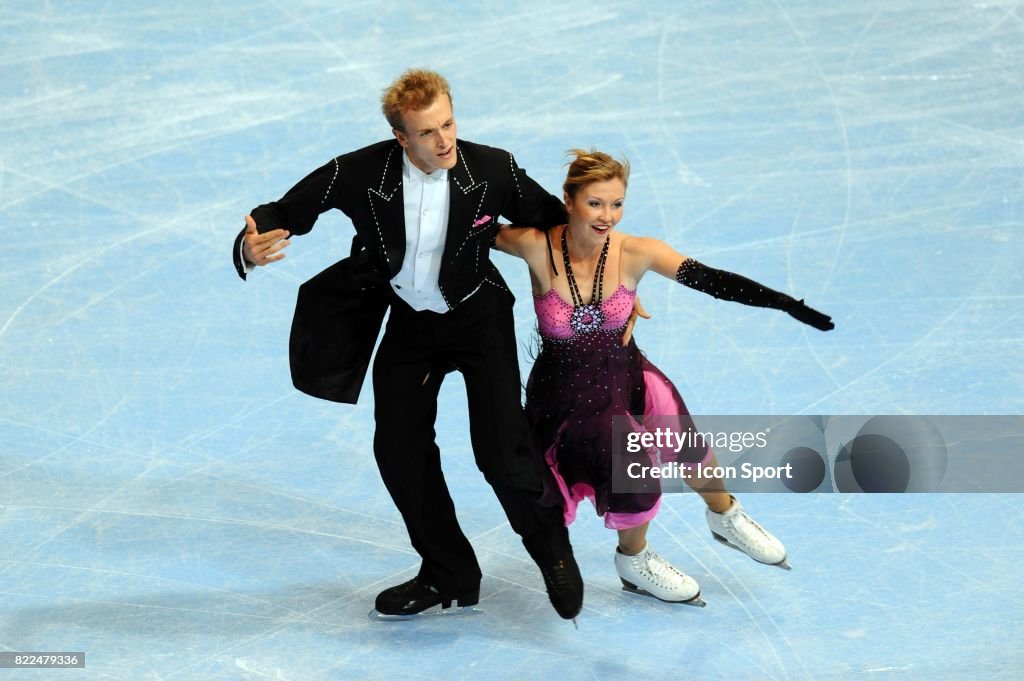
[(586, 317)]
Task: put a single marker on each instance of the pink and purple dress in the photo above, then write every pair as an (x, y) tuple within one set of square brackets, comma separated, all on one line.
[(581, 379)]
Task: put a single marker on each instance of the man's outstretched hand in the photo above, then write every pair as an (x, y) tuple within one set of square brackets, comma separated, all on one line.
[(262, 249)]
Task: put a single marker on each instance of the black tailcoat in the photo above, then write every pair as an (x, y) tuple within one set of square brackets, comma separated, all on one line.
[(338, 313)]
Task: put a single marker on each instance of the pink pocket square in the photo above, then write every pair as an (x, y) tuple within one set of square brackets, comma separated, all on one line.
[(482, 221)]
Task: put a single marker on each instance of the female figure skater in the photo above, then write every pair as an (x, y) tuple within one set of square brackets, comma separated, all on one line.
[(584, 375)]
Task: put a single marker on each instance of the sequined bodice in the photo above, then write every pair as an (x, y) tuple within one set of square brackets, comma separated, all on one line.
[(554, 313)]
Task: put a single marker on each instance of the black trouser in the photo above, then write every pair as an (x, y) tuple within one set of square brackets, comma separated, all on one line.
[(478, 339)]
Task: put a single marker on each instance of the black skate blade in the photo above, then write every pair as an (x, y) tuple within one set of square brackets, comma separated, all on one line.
[(784, 563), (430, 613), (696, 601)]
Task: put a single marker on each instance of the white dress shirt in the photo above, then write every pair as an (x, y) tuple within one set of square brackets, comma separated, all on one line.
[(426, 226)]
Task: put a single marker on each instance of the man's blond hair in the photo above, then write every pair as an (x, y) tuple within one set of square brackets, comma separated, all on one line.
[(414, 90)]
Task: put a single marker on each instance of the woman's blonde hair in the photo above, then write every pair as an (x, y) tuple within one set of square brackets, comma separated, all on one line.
[(593, 166), (414, 90)]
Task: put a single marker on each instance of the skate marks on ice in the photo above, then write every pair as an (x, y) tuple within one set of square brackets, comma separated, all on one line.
[(166, 491)]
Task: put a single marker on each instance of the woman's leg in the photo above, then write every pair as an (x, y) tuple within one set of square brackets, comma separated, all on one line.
[(633, 540), (644, 571)]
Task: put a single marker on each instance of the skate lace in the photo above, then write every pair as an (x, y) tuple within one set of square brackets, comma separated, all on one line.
[(557, 577), (743, 518), (413, 585), (661, 571)]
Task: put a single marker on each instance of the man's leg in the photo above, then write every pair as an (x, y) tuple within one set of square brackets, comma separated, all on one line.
[(406, 381), (484, 351)]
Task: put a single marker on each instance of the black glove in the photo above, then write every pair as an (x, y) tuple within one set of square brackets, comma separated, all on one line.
[(728, 286), (808, 315)]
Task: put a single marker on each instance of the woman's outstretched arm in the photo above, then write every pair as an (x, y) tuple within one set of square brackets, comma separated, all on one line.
[(651, 254)]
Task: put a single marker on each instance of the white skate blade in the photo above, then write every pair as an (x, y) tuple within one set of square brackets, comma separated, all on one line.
[(696, 601), (784, 563), (436, 611)]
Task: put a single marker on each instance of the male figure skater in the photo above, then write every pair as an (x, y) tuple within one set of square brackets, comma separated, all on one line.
[(425, 207)]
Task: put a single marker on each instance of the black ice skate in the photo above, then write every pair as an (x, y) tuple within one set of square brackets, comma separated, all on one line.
[(418, 599)]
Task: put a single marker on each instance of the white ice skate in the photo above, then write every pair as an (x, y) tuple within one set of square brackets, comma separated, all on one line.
[(649, 573), (737, 530)]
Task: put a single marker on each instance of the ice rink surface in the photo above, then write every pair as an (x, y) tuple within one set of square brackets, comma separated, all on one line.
[(170, 505)]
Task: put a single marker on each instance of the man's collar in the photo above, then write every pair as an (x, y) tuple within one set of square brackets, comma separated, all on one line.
[(411, 172)]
